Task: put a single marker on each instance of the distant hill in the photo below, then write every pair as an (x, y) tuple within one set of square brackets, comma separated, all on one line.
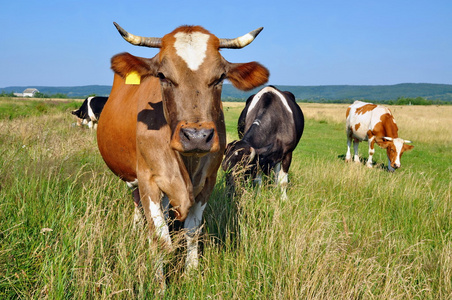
[(312, 93), (357, 92)]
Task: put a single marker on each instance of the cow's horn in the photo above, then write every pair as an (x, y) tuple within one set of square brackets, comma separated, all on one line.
[(252, 154), (388, 138), (136, 40), (241, 41), (407, 141)]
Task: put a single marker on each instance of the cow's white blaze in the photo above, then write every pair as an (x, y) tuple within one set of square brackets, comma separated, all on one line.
[(398, 143), (159, 222), (191, 47), (269, 89)]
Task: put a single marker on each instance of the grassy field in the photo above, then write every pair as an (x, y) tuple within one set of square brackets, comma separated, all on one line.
[(346, 232)]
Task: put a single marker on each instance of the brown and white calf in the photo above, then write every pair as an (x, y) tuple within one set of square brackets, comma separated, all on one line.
[(376, 124), (171, 134)]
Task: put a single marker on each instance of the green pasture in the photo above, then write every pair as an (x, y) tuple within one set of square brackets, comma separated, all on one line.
[(346, 232)]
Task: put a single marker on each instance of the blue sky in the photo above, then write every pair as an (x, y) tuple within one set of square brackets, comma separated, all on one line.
[(70, 43)]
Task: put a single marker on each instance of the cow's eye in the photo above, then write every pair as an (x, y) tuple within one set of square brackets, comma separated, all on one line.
[(164, 79), (161, 76), (219, 80)]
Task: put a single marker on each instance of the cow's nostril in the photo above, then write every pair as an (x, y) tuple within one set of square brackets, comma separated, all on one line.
[(186, 134), (210, 137)]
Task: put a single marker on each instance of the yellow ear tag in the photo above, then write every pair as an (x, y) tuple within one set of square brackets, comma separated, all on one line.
[(133, 78)]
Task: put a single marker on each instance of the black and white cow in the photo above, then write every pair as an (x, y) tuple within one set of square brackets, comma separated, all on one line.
[(90, 110), (270, 127)]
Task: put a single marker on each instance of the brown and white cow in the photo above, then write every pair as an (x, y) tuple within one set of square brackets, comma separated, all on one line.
[(375, 123), (171, 135)]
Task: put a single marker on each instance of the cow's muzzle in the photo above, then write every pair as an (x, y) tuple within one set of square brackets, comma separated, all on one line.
[(195, 138)]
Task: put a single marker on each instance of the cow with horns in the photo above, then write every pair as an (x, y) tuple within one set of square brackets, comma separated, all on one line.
[(170, 140), (375, 123)]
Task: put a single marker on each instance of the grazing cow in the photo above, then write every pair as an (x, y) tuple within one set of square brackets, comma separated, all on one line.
[(90, 110), (171, 135), (375, 123), (270, 127)]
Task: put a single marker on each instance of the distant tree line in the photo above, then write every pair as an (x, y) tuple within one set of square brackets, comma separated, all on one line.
[(5, 94), (57, 95)]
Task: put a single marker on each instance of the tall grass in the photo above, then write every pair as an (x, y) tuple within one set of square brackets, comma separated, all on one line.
[(346, 231)]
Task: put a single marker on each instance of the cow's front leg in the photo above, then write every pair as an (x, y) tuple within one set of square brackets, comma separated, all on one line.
[(371, 151), (192, 226), (159, 230)]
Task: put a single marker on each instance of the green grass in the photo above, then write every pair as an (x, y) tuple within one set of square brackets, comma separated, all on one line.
[(346, 232), (12, 108)]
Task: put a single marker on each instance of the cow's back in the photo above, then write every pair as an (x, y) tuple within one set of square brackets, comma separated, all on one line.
[(279, 116), (297, 115), (362, 117)]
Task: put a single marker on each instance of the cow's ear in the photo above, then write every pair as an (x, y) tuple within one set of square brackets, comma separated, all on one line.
[(407, 147), (247, 76), (229, 146), (125, 63)]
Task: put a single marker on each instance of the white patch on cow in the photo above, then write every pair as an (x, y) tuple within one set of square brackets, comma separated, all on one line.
[(282, 179), (90, 110), (268, 89), (192, 224), (257, 122), (132, 184), (191, 47), (159, 222), (398, 143)]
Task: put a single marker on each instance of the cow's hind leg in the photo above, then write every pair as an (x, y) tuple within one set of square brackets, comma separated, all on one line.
[(355, 150), (282, 174), (137, 213), (348, 155)]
